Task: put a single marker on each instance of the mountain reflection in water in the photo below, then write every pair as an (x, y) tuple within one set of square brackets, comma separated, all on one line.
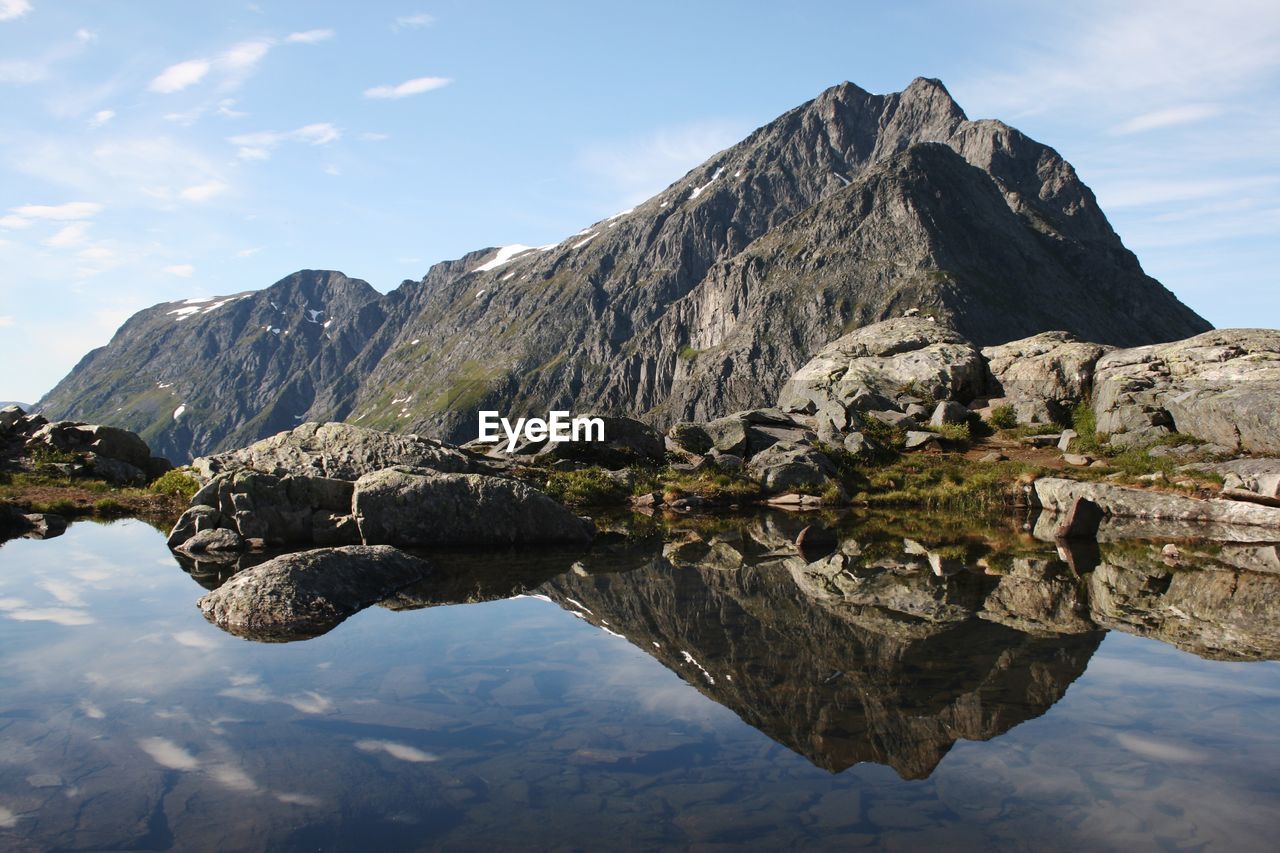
[(885, 648), (869, 688)]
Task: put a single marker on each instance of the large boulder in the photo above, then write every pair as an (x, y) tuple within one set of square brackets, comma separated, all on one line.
[(1053, 367), (336, 451), (1058, 495), (107, 448), (302, 595), (626, 442), (288, 510), (1222, 387), (787, 467), (906, 354), (411, 507)]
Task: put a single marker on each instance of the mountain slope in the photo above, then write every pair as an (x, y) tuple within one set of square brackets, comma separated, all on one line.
[(843, 211)]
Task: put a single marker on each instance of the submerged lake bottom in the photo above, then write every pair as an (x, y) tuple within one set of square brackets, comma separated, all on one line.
[(687, 686)]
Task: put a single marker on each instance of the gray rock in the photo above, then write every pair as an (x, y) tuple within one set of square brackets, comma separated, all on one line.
[(1057, 495), (689, 438), (1220, 387), (403, 506), (918, 411), (919, 440), (196, 518), (10, 417), (895, 419), (949, 412), (887, 357), (994, 456), (856, 443), (1077, 459), (1259, 475), (336, 451), (728, 435), (303, 595), (626, 442), (212, 540), (785, 467), (115, 471), (1064, 441), (1081, 521), (727, 462), (1053, 367)]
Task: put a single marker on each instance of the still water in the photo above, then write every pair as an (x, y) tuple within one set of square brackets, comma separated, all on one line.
[(684, 688)]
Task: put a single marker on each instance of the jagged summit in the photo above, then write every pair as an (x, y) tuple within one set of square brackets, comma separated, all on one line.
[(848, 209)]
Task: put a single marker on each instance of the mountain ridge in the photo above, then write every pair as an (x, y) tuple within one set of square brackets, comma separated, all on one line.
[(656, 311)]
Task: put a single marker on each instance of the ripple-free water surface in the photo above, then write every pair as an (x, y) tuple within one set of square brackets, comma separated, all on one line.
[(663, 702)]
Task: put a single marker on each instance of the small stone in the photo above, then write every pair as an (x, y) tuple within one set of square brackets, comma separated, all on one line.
[(1076, 459), (220, 539), (1068, 436), (994, 456), (1171, 551), (917, 440)]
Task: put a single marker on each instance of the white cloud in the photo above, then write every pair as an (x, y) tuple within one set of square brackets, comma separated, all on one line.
[(240, 60), (204, 192), (369, 136), (10, 9), (6, 320), (402, 751), (181, 270), (405, 22), (258, 145), (101, 117), (1170, 117), (68, 236), (168, 754), (177, 77), (309, 37), (68, 212), (416, 86), (14, 222), (1163, 191), (85, 36), (253, 250)]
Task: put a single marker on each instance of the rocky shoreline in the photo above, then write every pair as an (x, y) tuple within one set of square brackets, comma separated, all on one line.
[(905, 412)]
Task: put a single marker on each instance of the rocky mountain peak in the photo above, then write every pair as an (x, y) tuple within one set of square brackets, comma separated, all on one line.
[(849, 209)]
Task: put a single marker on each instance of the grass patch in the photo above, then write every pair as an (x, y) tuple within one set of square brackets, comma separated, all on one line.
[(957, 434), (709, 484), (946, 482), (178, 482), (688, 353), (1003, 417), (587, 487)]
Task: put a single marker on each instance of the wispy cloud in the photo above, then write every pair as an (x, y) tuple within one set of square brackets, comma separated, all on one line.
[(410, 22), (6, 320), (1162, 50), (69, 236), (203, 192), (402, 751), (10, 9), (259, 145), (177, 77), (1170, 117), (101, 117), (180, 270), (309, 36), (635, 169), (416, 86), (22, 216)]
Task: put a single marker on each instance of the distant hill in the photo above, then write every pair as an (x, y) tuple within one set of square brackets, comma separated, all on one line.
[(847, 210)]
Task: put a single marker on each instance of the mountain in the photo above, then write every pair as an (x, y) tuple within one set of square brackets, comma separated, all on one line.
[(847, 210)]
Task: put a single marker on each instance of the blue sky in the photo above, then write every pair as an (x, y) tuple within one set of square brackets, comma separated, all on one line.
[(152, 151)]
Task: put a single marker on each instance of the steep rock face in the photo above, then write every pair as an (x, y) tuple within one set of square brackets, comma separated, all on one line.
[(846, 210)]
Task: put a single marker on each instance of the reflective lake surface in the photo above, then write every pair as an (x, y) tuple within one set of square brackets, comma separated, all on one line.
[(686, 686)]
